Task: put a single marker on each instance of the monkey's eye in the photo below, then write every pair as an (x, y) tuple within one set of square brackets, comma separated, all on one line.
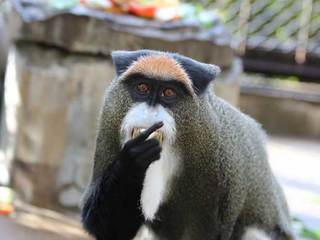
[(168, 92), (143, 88)]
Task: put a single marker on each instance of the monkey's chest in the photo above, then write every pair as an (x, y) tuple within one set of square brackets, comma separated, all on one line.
[(157, 183)]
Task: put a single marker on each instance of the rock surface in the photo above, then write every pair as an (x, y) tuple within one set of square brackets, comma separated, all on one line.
[(3, 45), (59, 97), (87, 31)]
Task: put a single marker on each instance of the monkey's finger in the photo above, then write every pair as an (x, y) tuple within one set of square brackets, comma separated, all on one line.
[(142, 137), (148, 157), (143, 147), (145, 134)]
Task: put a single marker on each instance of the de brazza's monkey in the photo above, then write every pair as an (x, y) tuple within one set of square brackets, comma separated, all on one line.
[(204, 175)]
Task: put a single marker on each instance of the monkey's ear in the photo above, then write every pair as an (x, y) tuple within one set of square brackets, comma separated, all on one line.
[(123, 59), (201, 74)]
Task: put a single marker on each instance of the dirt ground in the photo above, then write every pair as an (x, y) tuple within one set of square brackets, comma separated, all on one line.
[(296, 163), (31, 223)]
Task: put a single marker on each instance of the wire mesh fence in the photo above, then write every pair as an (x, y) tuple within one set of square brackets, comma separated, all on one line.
[(285, 26)]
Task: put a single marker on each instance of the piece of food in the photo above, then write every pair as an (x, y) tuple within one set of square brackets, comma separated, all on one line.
[(156, 134)]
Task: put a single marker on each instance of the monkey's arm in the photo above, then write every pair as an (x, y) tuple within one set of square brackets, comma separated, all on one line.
[(111, 211)]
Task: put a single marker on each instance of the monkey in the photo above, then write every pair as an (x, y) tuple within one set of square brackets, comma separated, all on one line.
[(196, 167)]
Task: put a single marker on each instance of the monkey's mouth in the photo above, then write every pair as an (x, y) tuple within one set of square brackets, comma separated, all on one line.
[(156, 134)]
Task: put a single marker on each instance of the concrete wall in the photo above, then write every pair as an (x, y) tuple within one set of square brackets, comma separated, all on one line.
[(282, 107)]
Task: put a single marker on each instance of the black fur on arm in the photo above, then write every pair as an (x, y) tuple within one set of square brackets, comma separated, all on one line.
[(112, 209)]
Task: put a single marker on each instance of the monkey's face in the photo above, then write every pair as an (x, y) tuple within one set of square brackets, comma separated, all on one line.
[(158, 85), (153, 100)]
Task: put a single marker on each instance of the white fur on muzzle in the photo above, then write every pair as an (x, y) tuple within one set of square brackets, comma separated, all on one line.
[(142, 115)]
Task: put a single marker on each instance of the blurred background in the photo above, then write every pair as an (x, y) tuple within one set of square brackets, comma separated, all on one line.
[(55, 65)]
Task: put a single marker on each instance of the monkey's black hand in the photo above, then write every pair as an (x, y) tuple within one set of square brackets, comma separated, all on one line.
[(112, 211), (139, 153)]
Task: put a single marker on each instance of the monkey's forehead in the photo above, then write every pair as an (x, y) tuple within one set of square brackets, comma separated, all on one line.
[(159, 66)]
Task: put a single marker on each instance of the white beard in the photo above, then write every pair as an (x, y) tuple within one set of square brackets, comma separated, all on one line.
[(159, 174), (157, 182)]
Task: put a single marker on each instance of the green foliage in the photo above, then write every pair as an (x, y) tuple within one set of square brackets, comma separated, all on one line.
[(316, 199), (63, 4), (310, 234), (206, 16), (281, 34), (304, 232)]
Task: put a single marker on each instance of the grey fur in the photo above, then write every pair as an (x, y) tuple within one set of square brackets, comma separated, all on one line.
[(226, 184)]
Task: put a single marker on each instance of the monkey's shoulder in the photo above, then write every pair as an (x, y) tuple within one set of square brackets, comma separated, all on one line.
[(236, 123)]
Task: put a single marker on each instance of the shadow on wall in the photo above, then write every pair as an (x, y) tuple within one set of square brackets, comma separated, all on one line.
[(4, 44)]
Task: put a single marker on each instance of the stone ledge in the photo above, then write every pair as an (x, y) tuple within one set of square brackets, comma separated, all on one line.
[(76, 30), (308, 92), (283, 108)]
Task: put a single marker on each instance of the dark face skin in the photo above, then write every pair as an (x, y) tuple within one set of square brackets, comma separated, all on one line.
[(155, 91)]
